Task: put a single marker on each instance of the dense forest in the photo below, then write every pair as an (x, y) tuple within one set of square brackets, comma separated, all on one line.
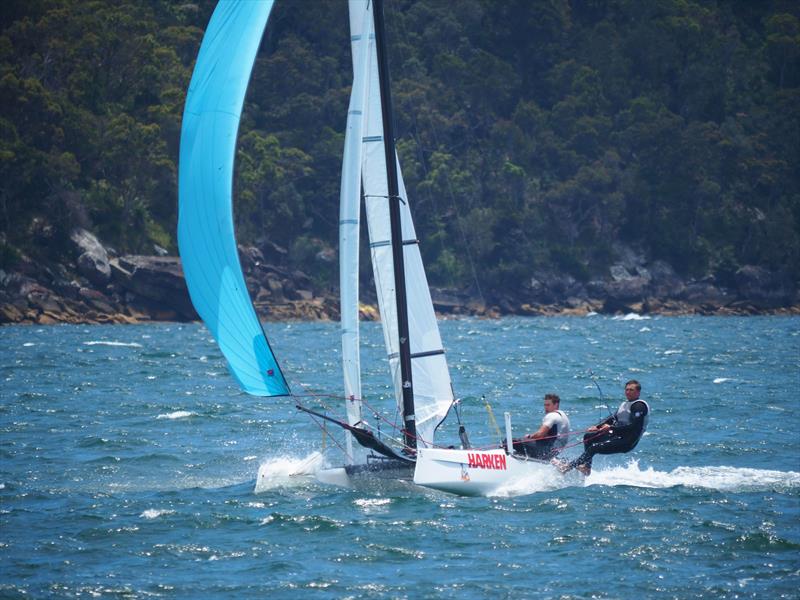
[(532, 133)]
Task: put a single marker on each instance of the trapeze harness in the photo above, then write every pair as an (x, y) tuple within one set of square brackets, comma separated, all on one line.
[(547, 447), (630, 422), (628, 425)]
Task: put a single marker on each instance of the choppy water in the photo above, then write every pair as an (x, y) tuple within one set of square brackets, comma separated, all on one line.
[(128, 460)]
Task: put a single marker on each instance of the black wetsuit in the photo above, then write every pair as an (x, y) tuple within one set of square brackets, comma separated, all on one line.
[(627, 426)]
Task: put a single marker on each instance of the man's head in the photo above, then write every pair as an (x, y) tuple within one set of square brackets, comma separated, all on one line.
[(551, 402), (632, 390)]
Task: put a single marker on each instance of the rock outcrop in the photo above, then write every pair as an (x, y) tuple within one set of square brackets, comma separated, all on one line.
[(92, 257), (94, 286), (156, 281), (763, 288)]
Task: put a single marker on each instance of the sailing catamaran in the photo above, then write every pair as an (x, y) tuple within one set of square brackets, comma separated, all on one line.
[(370, 173)]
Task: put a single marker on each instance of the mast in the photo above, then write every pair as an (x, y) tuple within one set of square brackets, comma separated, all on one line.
[(410, 429)]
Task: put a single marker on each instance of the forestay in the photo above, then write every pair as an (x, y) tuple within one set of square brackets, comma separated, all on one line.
[(433, 394), (205, 218)]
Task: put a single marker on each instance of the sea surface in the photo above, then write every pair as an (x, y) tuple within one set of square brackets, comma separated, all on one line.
[(128, 463)]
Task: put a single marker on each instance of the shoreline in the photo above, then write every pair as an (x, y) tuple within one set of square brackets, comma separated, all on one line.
[(326, 309)]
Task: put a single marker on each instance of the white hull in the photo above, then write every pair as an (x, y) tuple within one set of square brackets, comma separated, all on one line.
[(463, 472), (356, 476), (283, 472), (480, 472)]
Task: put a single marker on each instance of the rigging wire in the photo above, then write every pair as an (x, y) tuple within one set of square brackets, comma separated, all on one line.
[(399, 443), (602, 395), (326, 432), (462, 431), (364, 424)]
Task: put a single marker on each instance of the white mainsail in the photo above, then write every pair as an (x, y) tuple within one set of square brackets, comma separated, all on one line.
[(350, 225), (433, 393)]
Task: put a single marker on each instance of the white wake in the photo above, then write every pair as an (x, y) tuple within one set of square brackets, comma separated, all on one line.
[(722, 478), (546, 480)]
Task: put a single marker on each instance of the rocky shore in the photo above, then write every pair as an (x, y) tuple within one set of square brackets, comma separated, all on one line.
[(93, 285)]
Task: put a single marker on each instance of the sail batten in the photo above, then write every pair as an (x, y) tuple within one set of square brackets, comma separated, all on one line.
[(206, 237), (433, 394)]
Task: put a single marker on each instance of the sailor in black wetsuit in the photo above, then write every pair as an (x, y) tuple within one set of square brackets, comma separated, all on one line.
[(617, 434), (551, 437)]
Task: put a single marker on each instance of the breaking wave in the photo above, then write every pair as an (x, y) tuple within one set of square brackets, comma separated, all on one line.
[(154, 513), (630, 317), (178, 414), (286, 470)]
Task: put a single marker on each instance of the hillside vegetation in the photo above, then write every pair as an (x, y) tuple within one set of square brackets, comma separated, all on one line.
[(533, 134)]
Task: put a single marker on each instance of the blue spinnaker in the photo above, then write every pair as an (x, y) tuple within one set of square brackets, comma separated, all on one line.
[(205, 214)]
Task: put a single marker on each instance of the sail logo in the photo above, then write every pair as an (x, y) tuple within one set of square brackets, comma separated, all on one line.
[(487, 461)]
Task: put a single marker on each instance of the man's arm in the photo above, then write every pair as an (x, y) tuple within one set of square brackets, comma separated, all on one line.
[(605, 423), (542, 432), (600, 426)]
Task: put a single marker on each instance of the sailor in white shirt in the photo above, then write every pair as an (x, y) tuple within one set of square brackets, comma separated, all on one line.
[(551, 436)]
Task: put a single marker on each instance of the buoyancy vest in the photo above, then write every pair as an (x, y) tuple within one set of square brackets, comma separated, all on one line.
[(555, 440), (630, 420), (560, 428)]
